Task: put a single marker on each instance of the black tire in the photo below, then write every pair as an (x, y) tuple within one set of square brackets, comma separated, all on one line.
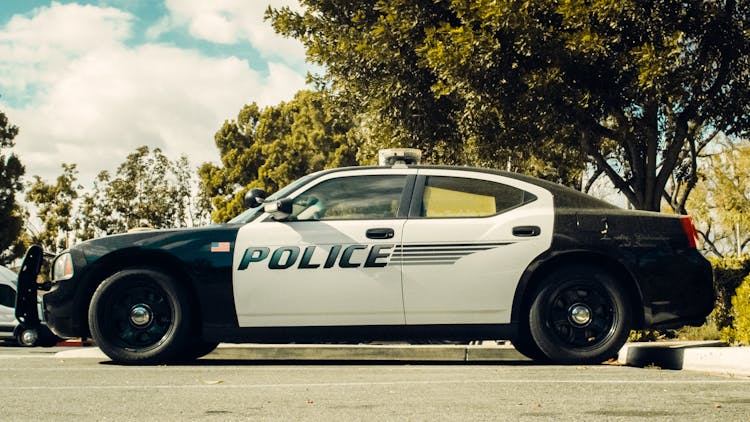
[(198, 349), (580, 315), (47, 338), (140, 316), (525, 345)]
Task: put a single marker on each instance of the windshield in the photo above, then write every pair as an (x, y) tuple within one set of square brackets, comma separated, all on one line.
[(252, 213)]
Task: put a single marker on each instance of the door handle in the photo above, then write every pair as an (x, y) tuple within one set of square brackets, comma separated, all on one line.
[(526, 231), (380, 233)]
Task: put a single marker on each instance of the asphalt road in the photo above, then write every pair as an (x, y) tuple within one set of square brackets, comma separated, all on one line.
[(36, 385)]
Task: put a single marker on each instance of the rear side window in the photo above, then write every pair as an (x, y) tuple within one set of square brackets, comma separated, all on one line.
[(7, 296), (455, 197), (351, 198)]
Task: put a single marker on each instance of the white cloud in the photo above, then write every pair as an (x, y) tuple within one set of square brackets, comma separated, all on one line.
[(95, 100), (47, 40), (234, 21)]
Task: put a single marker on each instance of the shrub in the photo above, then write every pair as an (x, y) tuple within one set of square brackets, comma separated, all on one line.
[(728, 274), (739, 331), (707, 331)]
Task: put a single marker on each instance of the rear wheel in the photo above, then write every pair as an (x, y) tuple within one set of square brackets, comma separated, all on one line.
[(140, 316), (579, 315)]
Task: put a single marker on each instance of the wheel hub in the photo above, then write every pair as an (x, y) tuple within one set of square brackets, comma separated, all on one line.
[(141, 315), (579, 314)]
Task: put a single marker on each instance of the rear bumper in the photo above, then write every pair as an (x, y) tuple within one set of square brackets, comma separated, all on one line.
[(684, 295)]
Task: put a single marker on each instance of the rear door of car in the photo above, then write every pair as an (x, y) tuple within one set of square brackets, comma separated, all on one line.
[(468, 239), (7, 307), (328, 263)]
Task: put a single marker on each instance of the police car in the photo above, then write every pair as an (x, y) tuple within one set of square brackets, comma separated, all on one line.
[(396, 252)]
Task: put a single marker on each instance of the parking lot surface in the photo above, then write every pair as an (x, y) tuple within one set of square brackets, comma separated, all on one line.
[(38, 384)]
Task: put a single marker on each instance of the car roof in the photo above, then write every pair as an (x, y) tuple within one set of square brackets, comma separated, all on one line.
[(565, 197), (7, 276)]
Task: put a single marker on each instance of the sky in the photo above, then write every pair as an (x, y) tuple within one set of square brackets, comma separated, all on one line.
[(89, 81)]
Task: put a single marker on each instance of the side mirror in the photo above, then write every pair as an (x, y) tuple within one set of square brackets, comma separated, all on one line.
[(280, 209), (254, 198)]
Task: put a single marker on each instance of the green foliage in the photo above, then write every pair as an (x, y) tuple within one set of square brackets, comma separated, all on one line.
[(638, 87), (720, 203), (740, 330), (272, 147), (728, 274), (645, 336), (147, 190), (707, 331), (11, 215), (55, 209)]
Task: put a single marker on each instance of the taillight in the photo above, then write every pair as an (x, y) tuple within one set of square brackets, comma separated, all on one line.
[(690, 231)]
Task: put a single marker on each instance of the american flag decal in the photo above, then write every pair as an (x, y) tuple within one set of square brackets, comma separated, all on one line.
[(220, 246)]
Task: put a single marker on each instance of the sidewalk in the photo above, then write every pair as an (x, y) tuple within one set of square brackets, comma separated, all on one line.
[(713, 357)]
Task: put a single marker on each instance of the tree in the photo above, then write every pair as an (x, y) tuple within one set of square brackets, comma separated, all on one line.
[(147, 190), (639, 87), (272, 147), (94, 219), (191, 210), (11, 218), (721, 202), (55, 205), (376, 72)]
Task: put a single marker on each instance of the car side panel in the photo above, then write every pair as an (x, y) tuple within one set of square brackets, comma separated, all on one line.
[(477, 288), (670, 284), (185, 253)]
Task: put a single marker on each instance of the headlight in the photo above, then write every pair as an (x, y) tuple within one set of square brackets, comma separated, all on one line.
[(63, 267)]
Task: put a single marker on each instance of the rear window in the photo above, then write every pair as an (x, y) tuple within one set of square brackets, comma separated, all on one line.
[(454, 197)]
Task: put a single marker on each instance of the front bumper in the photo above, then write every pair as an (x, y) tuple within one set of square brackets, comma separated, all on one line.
[(59, 311)]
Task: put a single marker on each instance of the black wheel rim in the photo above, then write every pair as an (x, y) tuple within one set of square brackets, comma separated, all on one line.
[(138, 317), (581, 315)]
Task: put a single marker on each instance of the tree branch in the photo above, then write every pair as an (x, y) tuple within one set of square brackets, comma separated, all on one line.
[(589, 183), (707, 241), (620, 184), (688, 114)]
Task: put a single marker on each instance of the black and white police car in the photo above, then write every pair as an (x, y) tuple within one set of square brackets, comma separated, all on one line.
[(401, 252)]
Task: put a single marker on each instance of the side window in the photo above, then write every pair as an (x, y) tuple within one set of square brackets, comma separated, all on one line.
[(7, 296), (350, 198), (446, 197)]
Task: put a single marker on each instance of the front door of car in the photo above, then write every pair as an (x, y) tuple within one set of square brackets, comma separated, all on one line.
[(468, 239), (327, 264)]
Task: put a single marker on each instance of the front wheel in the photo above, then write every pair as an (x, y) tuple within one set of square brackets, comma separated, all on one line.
[(580, 315), (140, 316)]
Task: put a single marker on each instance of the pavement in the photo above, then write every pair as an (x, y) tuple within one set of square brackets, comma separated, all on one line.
[(704, 356)]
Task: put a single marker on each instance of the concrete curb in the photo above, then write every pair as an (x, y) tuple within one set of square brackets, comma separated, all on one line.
[(328, 352), (704, 356), (387, 352), (713, 357)]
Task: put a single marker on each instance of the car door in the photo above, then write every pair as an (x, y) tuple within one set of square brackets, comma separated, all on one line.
[(468, 239), (327, 264), (7, 308)]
